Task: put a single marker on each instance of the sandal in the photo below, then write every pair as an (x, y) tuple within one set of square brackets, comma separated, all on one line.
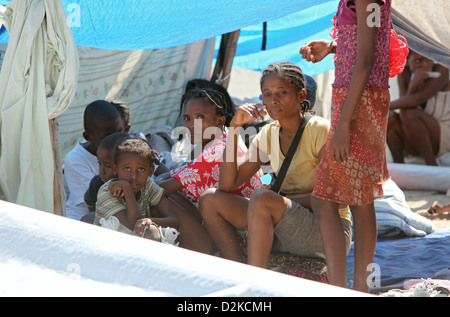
[(433, 210), (436, 209)]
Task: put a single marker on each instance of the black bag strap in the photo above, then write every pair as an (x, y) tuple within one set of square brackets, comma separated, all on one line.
[(287, 160)]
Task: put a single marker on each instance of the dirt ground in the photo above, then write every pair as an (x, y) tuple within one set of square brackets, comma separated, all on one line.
[(420, 201)]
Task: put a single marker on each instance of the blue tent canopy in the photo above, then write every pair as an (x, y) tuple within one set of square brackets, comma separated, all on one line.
[(149, 24), (285, 36)]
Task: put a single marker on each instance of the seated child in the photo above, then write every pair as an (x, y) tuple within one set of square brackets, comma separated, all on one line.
[(104, 155), (124, 112), (136, 203), (101, 119)]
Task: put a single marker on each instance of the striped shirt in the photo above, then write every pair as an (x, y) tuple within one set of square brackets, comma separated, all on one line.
[(109, 205)]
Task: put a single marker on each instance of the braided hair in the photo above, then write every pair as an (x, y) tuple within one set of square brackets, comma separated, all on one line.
[(210, 97), (290, 72), (207, 86)]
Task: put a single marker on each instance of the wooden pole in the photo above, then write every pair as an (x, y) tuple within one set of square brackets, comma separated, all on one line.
[(223, 66), (264, 41), (59, 196), (228, 63), (220, 57)]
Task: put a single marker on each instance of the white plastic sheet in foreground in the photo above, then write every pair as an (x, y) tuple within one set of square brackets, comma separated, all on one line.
[(46, 255)]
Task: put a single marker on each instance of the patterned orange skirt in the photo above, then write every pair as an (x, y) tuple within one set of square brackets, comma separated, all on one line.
[(358, 180)]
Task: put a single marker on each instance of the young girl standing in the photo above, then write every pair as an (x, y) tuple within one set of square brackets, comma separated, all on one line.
[(354, 166)]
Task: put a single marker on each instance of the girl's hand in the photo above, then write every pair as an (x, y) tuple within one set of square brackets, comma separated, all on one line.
[(117, 188), (315, 51), (247, 113), (340, 144)]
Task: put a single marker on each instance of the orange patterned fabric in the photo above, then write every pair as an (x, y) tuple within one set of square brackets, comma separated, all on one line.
[(358, 180)]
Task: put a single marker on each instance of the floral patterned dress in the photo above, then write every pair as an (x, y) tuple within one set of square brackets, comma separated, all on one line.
[(358, 180), (203, 172)]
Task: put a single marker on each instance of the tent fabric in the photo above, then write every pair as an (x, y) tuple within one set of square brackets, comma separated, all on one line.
[(285, 36), (37, 83), (149, 24), (150, 82), (425, 27), (46, 255)]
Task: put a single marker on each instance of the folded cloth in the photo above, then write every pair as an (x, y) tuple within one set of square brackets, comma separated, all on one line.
[(394, 216), (110, 223)]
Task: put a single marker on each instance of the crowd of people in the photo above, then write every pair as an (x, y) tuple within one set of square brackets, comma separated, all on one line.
[(216, 199)]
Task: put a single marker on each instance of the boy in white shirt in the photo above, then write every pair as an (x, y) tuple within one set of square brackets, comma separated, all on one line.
[(101, 119)]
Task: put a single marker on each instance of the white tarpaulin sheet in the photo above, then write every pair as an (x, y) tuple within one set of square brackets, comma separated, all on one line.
[(47, 255)]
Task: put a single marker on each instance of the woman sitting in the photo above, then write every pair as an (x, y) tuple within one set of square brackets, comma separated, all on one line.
[(421, 124)]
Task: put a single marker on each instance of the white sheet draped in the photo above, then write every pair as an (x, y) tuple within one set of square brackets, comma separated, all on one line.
[(37, 83)]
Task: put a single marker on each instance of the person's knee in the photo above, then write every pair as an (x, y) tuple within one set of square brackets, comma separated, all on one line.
[(394, 124), (393, 120), (262, 202), (410, 118), (261, 196), (206, 201), (324, 208)]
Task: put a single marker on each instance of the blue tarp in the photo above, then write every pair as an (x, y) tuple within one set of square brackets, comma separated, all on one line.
[(401, 259), (151, 24), (285, 36)]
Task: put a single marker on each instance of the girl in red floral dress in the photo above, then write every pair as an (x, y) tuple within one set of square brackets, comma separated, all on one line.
[(354, 167), (204, 117)]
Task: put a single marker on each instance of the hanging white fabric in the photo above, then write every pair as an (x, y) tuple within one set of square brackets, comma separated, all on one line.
[(37, 83)]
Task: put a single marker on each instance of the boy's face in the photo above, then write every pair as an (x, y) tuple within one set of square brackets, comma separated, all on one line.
[(105, 164), (134, 168), (102, 130)]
